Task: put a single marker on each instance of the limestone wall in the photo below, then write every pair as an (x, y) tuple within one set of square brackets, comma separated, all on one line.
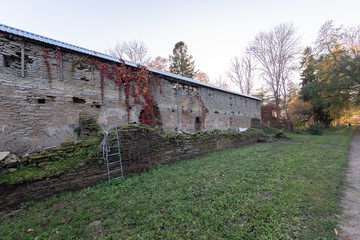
[(140, 149), (44, 107)]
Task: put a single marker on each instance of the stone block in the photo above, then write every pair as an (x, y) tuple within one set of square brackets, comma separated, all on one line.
[(9, 160)]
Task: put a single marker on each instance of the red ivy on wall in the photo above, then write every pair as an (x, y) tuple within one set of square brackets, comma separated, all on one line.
[(136, 82), (58, 58), (46, 56), (267, 114)]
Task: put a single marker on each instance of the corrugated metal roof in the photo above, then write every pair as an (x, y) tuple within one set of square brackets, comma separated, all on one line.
[(60, 44)]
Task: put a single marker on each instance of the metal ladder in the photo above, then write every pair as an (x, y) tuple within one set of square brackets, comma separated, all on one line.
[(107, 153)]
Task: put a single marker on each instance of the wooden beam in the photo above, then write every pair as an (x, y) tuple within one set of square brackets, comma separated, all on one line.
[(60, 65), (22, 58), (177, 106)]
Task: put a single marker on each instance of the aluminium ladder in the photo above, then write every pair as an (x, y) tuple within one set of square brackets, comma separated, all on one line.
[(113, 165)]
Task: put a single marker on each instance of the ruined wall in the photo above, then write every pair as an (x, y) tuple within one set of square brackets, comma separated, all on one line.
[(140, 148), (44, 107)]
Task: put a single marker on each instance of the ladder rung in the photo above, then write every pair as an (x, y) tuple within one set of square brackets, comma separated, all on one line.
[(107, 155), (114, 162), (117, 178), (113, 154)]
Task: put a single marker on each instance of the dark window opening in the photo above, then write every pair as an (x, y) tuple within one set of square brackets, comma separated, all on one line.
[(41, 101), (78, 100), (154, 118), (197, 124), (173, 110), (12, 61), (216, 112), (51, 97), (96, 104)]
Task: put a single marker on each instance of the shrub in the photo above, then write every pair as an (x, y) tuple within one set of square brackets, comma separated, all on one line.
[(315, 129)]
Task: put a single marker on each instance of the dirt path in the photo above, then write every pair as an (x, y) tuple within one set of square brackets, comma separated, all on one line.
[(349, 223)]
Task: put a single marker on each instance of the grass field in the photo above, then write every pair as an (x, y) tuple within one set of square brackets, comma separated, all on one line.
[(280, 190)]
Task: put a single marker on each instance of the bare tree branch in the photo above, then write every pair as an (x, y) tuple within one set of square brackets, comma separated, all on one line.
[(135, 51), (221, 82), (242, 73), (276, 52)]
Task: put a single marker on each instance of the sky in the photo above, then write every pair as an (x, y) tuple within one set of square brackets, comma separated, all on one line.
[(214, 31)]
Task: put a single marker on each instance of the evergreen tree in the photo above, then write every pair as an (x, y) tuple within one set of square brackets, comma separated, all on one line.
[(181, 63)]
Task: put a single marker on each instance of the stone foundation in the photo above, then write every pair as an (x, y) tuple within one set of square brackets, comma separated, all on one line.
[(140, 147)]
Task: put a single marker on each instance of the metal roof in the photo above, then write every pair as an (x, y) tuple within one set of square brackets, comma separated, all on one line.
[(68, 46)]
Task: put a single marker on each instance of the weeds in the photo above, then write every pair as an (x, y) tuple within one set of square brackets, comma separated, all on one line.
[(280, 190)]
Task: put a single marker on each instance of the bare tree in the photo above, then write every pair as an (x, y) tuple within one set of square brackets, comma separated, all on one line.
[(242, 73), (276, 52), (221, 82), (328, 39), (135, 51), (352, 40)]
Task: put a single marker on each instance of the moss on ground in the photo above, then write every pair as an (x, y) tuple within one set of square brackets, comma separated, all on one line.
[(74, 155)]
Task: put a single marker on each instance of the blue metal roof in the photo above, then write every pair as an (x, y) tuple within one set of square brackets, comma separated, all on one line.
[(68, 46)]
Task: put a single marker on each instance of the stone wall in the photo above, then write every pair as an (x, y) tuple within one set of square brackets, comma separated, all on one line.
[(140, 148), (44, 107)]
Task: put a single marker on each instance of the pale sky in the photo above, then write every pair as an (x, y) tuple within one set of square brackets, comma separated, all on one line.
[(215, 31)]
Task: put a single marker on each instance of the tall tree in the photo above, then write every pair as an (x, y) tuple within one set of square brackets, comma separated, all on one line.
[(181, 63), (242, 72), (331, 75), (276, 52), (312, 90), (135, 51)]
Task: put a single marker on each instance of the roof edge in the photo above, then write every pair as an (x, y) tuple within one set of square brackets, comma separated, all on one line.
[(39, 38)]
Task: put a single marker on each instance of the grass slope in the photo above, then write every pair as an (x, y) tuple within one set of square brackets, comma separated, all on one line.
[(281, 190)]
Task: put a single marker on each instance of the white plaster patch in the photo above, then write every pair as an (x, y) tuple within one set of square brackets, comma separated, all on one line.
[(3, 127), (104, 117)]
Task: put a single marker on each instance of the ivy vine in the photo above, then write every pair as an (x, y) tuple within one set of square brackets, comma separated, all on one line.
[(136, 82), (46, 56)]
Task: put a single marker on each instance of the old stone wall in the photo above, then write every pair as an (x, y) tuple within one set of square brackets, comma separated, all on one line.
[(43, 107), (140, 148)]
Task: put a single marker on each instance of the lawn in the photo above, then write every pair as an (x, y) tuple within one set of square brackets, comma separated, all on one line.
[(281, 190)]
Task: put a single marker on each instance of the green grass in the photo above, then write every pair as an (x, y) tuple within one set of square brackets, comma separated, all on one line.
[(280, 190)]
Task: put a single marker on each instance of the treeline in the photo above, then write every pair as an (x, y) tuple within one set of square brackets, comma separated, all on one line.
[(329, 72)]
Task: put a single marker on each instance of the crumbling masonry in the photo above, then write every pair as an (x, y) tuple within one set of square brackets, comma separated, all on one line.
[(43, 99)]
